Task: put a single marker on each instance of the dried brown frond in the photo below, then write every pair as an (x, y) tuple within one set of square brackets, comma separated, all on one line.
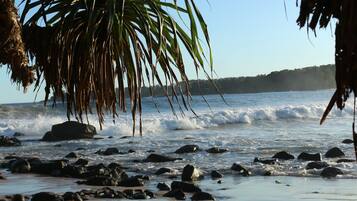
[(12, 48), (320, 12)]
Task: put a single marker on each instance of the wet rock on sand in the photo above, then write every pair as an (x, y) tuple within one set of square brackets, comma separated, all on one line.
[(316, 165), (20, 166), (216, 150), (265, 161), (187, 149), (70, 130), (156, 158), (309, 157), (216, 175), (163, 171), (177, 194), (163, 187), (334, 153), (283, 155), (331, 172), (185, 187), (240, 169), (9, 141), (190, 173), (202, 196), (347, 141), (45, 196)]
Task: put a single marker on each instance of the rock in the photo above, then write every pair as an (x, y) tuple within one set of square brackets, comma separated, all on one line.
[(334, 153), (265, 161), (18, 134), (316, 165), (216, 150), (156, 158), (101, 181), (109, 193), (216, 175), (330, 172), (309, 157), (9, 141), (163, 171), (190, 173), (163, 187), (202, 196), (48, 167), (177, 194), (131, 151), (45, 196), (70, 130), (131, 182), (187, 149), (81, 162), (185, 187), (283, 155), (69, 196), (347, 141), (345, 160), (71, 155), (18, 197), (139, 196), (20, 166), (242, 170), (109, 151)]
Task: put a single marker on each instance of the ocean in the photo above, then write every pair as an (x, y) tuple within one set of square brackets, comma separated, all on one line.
[(248, 125)]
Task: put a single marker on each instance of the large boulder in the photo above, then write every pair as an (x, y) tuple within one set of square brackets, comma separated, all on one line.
[(190, 173), (330, 172), (70, 130), (309, 157), (9, 141), (187, 149), (334, 153)]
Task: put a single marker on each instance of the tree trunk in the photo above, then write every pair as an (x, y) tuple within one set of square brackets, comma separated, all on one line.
[(12, 48)]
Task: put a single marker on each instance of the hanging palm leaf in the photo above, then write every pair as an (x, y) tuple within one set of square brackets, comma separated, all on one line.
[(88, 48), (321, 12), (12, 49)]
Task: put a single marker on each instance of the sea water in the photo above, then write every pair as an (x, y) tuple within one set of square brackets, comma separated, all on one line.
[(248, 125)]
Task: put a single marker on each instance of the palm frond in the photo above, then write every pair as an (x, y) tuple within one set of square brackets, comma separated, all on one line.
[(86, 49)]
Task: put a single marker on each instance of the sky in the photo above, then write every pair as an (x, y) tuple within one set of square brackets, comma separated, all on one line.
[(248, 38)]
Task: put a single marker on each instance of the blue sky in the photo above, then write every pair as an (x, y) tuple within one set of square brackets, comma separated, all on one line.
[(248, 38)]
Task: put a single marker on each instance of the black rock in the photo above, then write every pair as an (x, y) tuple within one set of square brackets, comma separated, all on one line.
[(163, 187), (242, 170), (347, 141), (81, 162), (216, 150), (69, 196), (131, 151), (185, 187), (202, 196), (334, 153), (149, 194), (309, 157), (71, 155), (139, 196), (345, 160), (190, 173), (316, 165), (177, 194), (156, 158), (9, 141), (109, 193), (330, 172), (20, 166), (163, 171), (187, 149), (216, 175), (101, 181), (109, 151), (283, 155), (265, 161), (70, 130), (18, 134), (48, 167), (131, 182), (45, 196), (18, 197)]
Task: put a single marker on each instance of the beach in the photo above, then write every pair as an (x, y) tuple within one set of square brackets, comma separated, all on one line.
[(247, 126)]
